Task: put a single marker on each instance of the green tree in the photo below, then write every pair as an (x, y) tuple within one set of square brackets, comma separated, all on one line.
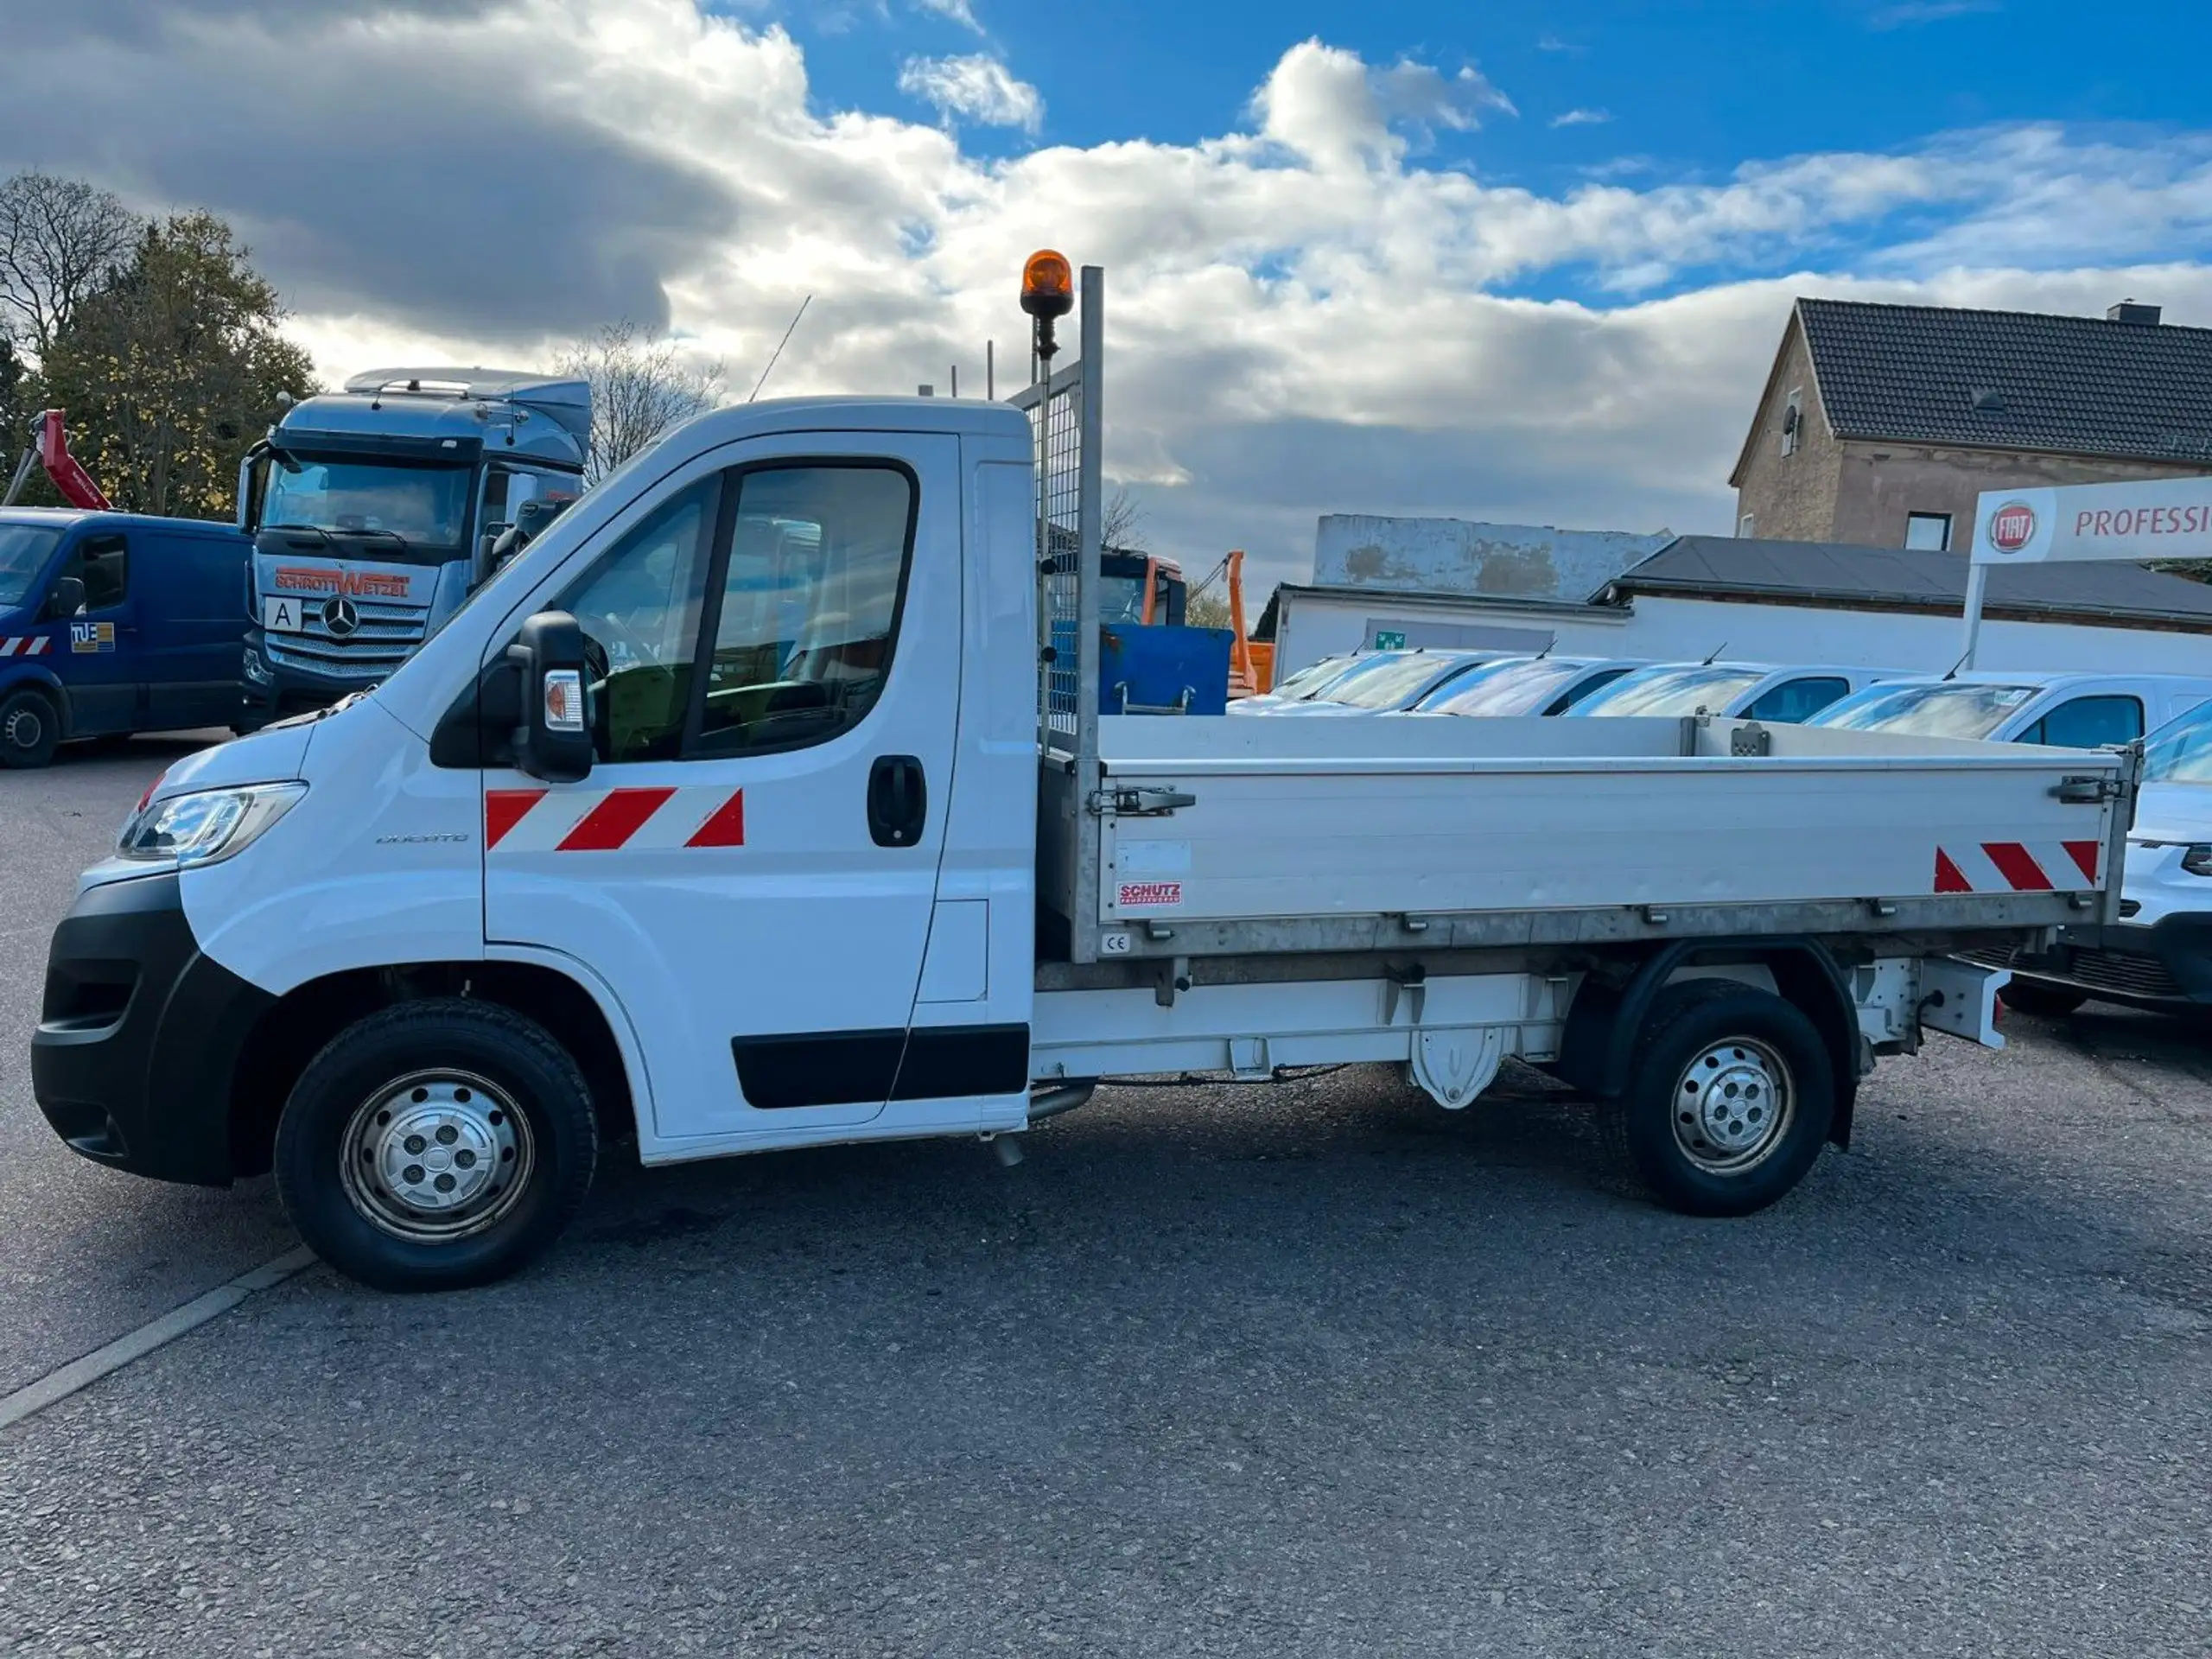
[(170, 372)]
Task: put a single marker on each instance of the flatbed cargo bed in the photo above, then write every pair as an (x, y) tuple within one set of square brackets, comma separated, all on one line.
[(1252, 836)]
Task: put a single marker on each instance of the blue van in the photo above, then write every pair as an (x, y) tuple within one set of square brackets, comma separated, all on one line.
[(111, 623)]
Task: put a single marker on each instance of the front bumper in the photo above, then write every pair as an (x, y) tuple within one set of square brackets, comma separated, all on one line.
[(138, 1042), (2166, 964)]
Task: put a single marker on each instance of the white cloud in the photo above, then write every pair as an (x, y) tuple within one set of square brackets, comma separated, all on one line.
[(1329, 104), (958, 11), (977, 88), (1910, 14), (1582, 119), (1304, 318)]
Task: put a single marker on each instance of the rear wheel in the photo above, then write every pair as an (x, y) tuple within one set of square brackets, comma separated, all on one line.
[(436, 1145), (2044, 1000), (1730, 1099), (30, 727)]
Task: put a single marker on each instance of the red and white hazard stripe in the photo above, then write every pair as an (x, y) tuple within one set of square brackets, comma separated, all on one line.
[(25, 645), (2019, 867), (612, 820)]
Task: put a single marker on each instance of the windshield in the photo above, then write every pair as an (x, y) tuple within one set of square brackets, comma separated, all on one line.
[(1518, 689), (2180, 752), (1314, 676), (1391, 682), (1672, 692), (1951, 709), (403, 506), (1120, 599), (24, 549)]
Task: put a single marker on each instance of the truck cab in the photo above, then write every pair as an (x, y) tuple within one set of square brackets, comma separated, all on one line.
[(374, 512), (112, 623)]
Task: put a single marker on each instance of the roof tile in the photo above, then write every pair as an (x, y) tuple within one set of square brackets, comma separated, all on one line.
[(2070, 385)]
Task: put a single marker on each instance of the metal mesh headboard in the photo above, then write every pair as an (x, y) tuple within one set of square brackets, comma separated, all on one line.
[(1055, 411)]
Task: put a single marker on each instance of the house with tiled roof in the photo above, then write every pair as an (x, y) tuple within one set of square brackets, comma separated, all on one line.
[(1879, 424)]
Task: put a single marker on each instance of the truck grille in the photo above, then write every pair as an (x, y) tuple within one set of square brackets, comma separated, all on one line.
[(383, 637), (2124, 971)]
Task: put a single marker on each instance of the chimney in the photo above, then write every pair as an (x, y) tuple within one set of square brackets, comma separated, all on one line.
[(2143, 316)]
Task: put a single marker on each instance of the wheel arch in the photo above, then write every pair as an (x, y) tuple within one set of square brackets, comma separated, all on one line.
[(43, 680), (294, 1029), (1598, 1050)]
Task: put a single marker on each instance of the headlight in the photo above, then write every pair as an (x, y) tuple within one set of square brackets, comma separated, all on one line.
[(2197, 861), (204, 825)]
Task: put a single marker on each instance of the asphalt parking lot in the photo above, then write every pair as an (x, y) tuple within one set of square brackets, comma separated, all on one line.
[(1310, 1368)]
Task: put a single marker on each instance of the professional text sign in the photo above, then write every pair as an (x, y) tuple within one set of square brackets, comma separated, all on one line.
[(2162, 518)]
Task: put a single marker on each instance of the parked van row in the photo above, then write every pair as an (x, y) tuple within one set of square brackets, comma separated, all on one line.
[(2062, 710)]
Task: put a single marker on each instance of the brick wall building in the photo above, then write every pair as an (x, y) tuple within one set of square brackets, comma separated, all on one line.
[(1881, 423)]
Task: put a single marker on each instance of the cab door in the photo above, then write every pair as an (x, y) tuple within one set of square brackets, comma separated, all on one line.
[(95, 650), (751, 866)]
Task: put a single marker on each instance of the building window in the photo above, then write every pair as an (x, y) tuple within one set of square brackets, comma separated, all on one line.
[(1929, 532), (1744, 524), (1793, 420)]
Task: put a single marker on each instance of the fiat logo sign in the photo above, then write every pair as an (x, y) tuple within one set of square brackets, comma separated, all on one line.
[(2012, 527)]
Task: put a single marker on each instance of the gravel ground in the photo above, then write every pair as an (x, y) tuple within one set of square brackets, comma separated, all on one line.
[(1313, 1368)]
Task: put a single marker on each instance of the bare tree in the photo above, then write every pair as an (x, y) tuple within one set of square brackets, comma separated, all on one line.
[(640, 387), (1123, 529), (62, 241)]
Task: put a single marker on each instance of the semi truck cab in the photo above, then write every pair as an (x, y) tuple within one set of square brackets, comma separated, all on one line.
[(374, 512)]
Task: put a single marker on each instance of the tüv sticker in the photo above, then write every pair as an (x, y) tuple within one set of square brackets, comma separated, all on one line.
[(1148, 895)]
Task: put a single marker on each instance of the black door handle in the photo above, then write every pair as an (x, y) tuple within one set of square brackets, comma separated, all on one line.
[(898, 800)]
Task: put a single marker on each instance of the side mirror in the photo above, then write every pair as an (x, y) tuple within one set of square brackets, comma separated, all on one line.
[(553, 741), (67, 598)]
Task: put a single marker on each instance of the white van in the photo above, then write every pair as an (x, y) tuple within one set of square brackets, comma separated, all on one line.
[(2074, 711), (2158, 954), (1780, 696)]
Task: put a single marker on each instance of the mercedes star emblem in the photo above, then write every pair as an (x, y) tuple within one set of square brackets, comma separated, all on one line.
[(340, 617)]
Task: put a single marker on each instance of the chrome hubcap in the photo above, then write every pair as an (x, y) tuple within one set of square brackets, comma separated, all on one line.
[(436, 1156), (1732, 1105)]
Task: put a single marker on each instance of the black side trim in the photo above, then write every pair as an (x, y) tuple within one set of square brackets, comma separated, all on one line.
[(857, 1068), (945, 1061), (834, 1068)]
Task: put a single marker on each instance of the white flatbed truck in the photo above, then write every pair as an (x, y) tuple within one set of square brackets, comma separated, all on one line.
[(749, 808)]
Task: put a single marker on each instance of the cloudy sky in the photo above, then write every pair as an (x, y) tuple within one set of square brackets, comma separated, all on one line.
[(1517, 261)]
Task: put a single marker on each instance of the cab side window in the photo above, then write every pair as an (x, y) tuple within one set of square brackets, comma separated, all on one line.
[(639, 608), (1794, 701), (103, 564), (2089, 723), (809, 605)]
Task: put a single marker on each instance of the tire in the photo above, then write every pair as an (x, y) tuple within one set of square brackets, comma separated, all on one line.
[(390, 1149), (1686, 1139), (2042, 999), (30, 729)]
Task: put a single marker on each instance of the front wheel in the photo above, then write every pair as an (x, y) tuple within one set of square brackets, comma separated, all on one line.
[(1729, 1101), (436, 1145), (30, 729)]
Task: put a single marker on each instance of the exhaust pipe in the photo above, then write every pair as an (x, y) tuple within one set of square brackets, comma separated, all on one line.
[(1062, 1098)]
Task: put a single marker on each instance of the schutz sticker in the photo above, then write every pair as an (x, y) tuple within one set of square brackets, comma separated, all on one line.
[(1149, 895)]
